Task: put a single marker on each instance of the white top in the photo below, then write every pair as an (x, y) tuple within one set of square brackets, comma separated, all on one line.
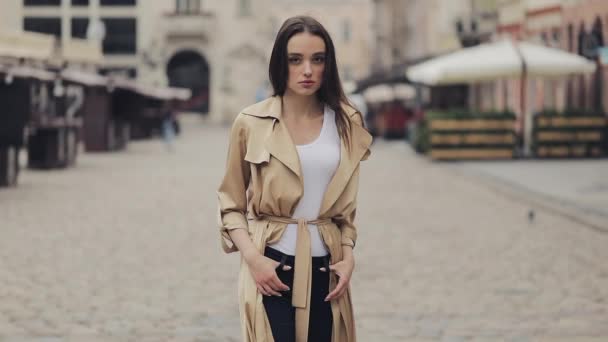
[(318, 161)]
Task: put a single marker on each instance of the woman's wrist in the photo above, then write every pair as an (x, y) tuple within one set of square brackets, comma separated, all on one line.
[(243, 242), (347, 253), (249, 254)]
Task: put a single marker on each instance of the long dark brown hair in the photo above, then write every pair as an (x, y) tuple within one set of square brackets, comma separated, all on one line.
[(331, 92)]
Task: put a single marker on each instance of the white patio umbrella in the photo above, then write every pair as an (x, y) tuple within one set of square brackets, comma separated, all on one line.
[(404, 91), (389, 92), (502, 59), (379, 93)]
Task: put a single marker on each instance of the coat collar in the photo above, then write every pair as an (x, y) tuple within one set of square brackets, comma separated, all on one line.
[(280, 145), (271, 107)]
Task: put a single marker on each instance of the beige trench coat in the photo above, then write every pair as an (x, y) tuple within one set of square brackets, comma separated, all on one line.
[(263, 180)]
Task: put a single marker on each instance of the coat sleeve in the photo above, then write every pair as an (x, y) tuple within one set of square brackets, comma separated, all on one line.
[(357, 119), (232, 192), (346, 222)]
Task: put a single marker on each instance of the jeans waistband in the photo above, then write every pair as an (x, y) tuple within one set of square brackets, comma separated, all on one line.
[(290, 259)]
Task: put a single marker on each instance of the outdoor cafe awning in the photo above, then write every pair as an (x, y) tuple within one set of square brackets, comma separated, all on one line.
[(156, 92), (87, 78), (502, 59), (27, 72), (389, 92)]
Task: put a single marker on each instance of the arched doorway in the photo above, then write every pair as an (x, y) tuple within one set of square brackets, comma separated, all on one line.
[(188, 69)]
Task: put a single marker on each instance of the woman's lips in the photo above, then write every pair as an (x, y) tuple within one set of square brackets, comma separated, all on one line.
[(307, 84)]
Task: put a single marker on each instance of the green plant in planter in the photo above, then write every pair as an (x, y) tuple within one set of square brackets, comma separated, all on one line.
[(419, 136), (570, 112)]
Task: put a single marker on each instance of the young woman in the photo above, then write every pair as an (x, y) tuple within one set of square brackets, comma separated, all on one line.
[(288, 198)]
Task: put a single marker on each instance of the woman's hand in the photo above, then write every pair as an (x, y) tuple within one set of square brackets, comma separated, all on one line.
[(263, 271), (344, 270)]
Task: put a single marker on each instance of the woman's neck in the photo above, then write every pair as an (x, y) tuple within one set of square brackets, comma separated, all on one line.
[(301, 106)]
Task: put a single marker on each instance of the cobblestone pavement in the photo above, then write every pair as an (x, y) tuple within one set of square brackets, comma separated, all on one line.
[(124, 247), (573, 187)]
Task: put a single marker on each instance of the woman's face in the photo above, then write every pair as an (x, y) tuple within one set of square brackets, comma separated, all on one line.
[(306, 60)]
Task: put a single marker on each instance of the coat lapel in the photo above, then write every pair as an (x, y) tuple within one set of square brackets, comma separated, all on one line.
[(278, 143), (280, 146), (349, 160)]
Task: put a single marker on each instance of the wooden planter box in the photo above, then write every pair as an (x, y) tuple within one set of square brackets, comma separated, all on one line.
[(472, 138), (569, 136)]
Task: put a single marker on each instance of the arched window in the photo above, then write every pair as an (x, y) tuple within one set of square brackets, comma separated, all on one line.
[(581, 38), (570, 84), (597, 31), (580, 98), (598, 84)]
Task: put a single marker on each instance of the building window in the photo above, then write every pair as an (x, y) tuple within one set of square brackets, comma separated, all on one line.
[(580, 39), (187, 6), (41, 2), (79, 27), (556, 36), (43, 25), (244, 8), (121, 36), (80, 2), (118, 2), (346, 30), (544, 38)]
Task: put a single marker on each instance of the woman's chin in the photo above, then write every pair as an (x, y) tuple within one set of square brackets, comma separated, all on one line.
[(304, 91)]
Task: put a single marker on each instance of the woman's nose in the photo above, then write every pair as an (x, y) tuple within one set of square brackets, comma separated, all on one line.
[(307, 69)]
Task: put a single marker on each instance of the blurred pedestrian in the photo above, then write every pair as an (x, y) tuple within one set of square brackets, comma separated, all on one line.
[(168, 129), (293, 171)]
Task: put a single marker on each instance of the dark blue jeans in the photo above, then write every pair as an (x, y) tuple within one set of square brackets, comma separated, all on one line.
[(281, 314)]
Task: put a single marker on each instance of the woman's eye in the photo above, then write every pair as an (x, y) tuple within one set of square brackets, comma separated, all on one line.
[(294, 60), (318, 60)]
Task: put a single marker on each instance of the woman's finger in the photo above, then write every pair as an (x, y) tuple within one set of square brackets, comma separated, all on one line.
[(334, 294), (323, 269), (331, 295), (270, 290), (286, 268), (278, 285), (261, 289)]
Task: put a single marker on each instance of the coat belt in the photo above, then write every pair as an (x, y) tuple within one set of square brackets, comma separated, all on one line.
[(300, 298)]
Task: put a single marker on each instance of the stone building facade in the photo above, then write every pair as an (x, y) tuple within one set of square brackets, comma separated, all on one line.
[(577, 26), (219, 49)]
